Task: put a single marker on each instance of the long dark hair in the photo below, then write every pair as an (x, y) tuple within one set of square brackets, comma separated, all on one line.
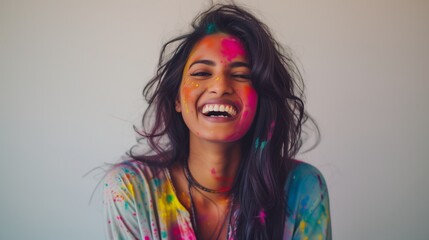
[(274, 137)]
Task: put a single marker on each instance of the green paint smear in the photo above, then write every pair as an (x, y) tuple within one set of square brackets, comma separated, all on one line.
[(257, 143), (164, 234), (263, 145), (211, 28), (169, 198)]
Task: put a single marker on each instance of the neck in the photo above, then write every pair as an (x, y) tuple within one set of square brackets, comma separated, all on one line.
[(214, 165)]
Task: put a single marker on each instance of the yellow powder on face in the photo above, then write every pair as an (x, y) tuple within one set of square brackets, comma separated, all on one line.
[(185, 104), (187, 87)]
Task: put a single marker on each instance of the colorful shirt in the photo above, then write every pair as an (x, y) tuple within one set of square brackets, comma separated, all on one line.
[(141, 203)]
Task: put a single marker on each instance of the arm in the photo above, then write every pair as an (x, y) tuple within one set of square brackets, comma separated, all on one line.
[(120, 186), (308, 205), (316, 223)]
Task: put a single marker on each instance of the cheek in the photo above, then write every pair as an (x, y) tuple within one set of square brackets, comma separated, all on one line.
[(189, 91), (250, 102), (249, 97)]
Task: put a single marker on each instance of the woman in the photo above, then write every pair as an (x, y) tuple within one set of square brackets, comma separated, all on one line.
[(223, 125)]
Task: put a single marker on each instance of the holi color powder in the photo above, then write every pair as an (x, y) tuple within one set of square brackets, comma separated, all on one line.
[(262, 216), (211, 28), (270, 133), (252, 96), (170, 198), (231, 48), (172, 219), (263, 144)]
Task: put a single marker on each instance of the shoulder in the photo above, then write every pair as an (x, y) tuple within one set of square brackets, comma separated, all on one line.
[(305, 186), (132, 169), (130, 190), (123, 179), (129, 169)]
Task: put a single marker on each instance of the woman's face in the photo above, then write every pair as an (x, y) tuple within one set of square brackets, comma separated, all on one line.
[(216, 97)]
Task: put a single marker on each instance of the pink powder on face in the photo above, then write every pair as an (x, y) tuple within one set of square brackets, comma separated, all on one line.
[(231, 48), (252, 97), (213, 171)]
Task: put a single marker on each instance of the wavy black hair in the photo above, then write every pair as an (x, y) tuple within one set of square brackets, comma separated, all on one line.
[(272, 141)]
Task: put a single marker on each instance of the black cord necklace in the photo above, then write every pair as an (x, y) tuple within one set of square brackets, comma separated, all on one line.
[(194, 182), (194, 218)]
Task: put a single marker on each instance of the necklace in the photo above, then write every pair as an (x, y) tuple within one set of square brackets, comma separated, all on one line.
[(194, 219), (194, 182)]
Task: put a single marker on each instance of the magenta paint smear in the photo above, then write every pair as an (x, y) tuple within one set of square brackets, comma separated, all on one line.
[(232, 48), (213, 171), (270, 133), (262, 216)]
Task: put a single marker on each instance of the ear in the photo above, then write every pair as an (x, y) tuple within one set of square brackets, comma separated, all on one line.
[(178, 105)]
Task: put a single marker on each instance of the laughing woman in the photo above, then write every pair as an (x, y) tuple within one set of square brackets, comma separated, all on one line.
[(223, 127)]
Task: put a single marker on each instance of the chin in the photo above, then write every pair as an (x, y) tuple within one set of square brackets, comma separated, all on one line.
[(225, 138)]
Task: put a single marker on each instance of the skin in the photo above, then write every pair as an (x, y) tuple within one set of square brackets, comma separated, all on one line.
[(216, 71)]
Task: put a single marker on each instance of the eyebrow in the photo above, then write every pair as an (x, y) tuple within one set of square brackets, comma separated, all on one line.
[(207, 62), (238, 64), (211, 63)]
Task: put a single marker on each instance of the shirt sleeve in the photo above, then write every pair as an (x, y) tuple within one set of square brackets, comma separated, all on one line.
[(308, 205), (122, 211)]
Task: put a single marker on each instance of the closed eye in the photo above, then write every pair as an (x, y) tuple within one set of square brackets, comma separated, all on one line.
[(241, 77), (246, 76), (200, 74)]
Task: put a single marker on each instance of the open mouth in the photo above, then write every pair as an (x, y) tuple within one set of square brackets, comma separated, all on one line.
[(219, 110)]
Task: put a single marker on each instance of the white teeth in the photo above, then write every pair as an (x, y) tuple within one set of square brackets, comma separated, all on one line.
[(220, 108)]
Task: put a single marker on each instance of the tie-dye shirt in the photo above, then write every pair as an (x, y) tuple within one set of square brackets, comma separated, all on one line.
[(141, 203)]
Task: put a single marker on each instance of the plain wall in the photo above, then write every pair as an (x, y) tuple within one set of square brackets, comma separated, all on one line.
[(72, 72)]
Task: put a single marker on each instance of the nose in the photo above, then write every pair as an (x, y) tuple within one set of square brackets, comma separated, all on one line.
[(221, 85)]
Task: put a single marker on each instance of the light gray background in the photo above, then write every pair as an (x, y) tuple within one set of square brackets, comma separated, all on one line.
[(71, 78)]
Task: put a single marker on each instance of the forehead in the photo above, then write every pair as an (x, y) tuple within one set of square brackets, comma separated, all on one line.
[(220, 43)]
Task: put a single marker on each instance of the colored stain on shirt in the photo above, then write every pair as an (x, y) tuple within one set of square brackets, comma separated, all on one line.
[(170, 198), (131, 189), (156, 213), (157, 182), (302, 226)]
